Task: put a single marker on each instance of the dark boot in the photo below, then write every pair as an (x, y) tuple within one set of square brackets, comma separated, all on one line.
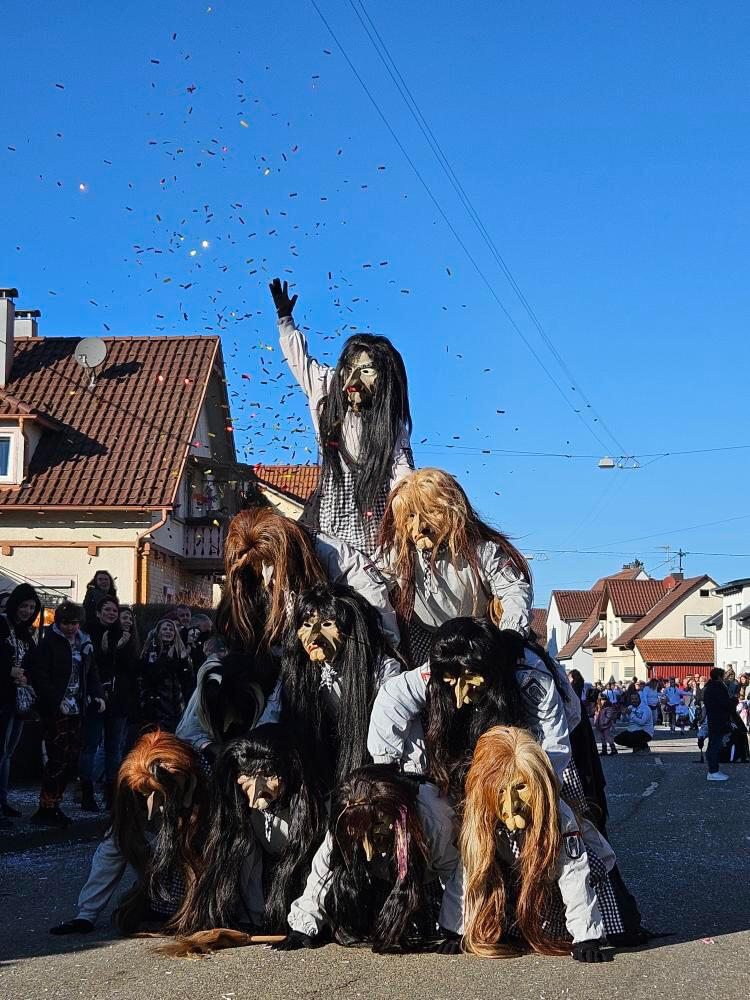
[(88, 802), (9, 812), (50, 816)]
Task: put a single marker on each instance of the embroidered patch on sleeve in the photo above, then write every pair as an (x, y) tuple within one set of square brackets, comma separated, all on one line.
[(533, 689), (573, 845)]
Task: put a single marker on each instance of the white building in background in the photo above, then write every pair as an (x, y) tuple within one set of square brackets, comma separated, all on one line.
[(730, 626)]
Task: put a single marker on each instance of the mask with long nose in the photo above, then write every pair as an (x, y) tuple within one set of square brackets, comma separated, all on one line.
[(468, 687), (514, 804), (379, 839), (261, 789), (320, 637), (359, 380), (420, 532)]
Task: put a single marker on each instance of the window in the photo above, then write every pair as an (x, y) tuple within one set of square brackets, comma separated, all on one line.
[(705, 593), (729, 626), (5, 443), (629, 670), (694, 628)]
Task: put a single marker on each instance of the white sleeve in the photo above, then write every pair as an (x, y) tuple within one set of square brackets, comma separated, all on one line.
[(345, 564), (544, 714), (582, 916), (403, 460), (438, 822), (313, 377), (397, 705), (307, 914), (107, 868), (388, 668), (510, 588)]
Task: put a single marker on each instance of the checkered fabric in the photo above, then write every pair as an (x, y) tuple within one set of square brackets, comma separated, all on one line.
[(573, 792), (174, 886), (333, 510), (605, 896), (420, 641)]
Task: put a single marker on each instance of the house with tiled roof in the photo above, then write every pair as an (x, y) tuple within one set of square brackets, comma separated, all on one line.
[(132, 471), (539, 624), (569, 610), (730, 626), (636, 615), (287, 487)]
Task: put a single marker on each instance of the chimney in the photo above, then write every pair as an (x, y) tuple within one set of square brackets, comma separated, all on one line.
[(25, 324), (7, 322)]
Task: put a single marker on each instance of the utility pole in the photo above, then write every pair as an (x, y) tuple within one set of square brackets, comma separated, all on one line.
[(680, 554)]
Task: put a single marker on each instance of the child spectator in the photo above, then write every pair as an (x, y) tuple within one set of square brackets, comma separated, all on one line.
[(66, 681), (604, 724)]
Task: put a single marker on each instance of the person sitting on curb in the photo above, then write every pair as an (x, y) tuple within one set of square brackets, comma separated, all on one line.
[(640, 728)]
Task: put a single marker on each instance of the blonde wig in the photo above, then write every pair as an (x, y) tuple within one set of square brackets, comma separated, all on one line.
[(439, 499), (252, 615), (503, 754)]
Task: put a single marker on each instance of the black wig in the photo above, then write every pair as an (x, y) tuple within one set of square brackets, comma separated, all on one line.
[(229, 700), (216, 898), (381, 423), (368, 796), (339, 745), (476, 645)]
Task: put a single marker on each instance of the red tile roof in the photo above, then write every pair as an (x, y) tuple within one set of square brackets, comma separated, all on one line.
[(633, 598), (575, 605), (122, 443), (678, 651), (667, 602), (597, 642), (624, 574), (295, 481), (580, 635), (539, 624)]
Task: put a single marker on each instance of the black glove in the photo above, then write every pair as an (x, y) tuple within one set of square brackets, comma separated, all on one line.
[(293, 941), (75, 926), (451, 945), (281, 300), (590, 951)]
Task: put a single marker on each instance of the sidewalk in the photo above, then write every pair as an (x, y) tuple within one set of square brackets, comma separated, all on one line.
[(86, 826)]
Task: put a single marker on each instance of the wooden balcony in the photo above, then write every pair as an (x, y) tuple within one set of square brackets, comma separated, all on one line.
[(204, 547)]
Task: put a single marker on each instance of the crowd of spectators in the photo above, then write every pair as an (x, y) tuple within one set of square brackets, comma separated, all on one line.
[(93, 683), (716, 708)]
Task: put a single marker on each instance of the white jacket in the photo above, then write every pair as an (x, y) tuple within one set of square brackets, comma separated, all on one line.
[(454, 590), (307, 914), (396, 733)]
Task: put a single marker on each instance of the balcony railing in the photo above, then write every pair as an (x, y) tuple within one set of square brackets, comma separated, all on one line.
[(204, 541)]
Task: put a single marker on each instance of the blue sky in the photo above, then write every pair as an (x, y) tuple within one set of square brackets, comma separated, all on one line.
[(604, 146)]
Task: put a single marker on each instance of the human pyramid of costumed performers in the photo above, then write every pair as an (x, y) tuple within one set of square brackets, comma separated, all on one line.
[(382, 754)]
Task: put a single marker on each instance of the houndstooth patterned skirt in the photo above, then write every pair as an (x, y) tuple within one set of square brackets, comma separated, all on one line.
[(419, 639), (333, 510)]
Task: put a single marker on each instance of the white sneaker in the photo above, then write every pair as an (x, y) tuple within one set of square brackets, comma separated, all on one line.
[(717, 776)]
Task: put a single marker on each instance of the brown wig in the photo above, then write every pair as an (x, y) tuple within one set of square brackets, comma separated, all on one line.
[(158, 763), (439, 499), (371, 795), (250, 614), (503, 753)]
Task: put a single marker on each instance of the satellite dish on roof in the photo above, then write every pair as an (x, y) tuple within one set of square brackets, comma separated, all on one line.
[(91, 353)]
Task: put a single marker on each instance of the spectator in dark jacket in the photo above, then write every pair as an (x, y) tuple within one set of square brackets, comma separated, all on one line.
[(108, 641), (200, 631), (16, 639), (716, 704), (166, 678), (102, 585), (66, 681)]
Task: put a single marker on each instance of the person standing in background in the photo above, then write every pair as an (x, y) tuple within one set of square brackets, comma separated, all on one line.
[(66, 681), (16, 639), (650, 697), (671, 696), (716, 702), (101, 585)]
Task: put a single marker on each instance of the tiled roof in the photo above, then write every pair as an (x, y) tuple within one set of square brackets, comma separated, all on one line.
[(575, 605), (579, 636), (624, 574), (667, 602), (295, 481), (539, 624), (633, 598), (676, 650), (122, 443), (597, 643)]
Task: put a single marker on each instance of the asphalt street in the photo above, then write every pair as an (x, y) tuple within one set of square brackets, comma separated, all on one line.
[(683, 846)]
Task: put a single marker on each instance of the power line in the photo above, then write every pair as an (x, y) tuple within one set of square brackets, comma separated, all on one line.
[(452, 228), (480, 450), (416, 112)]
